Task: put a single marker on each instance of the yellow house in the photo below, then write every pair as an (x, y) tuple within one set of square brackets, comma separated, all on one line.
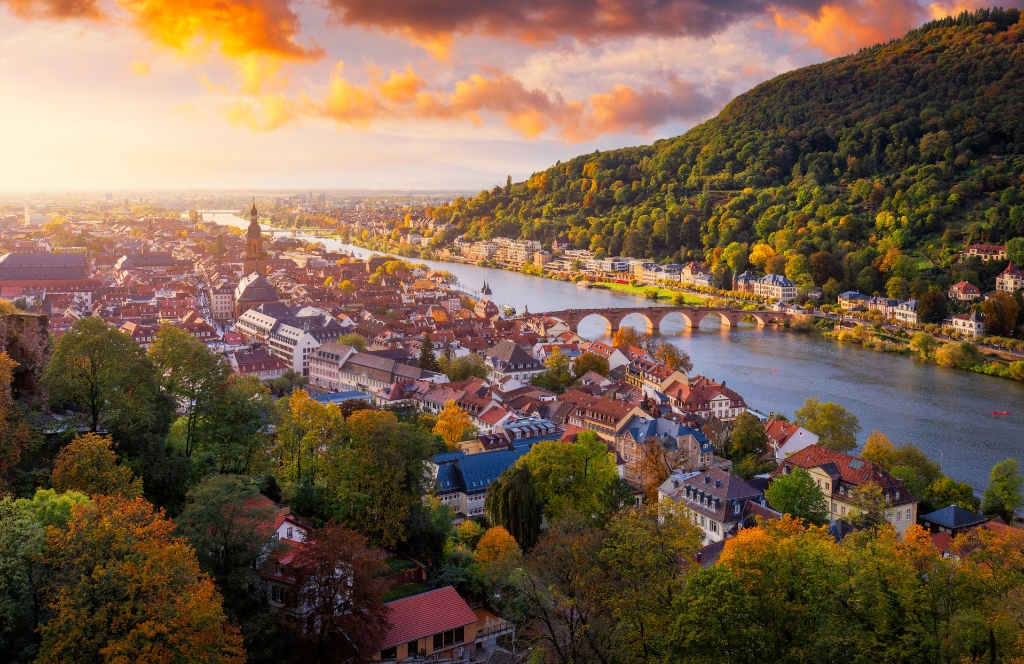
[(839, 475)]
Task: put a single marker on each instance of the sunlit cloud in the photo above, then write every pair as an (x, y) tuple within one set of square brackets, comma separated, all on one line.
[(842, 28), (54, 9), (140, 68)]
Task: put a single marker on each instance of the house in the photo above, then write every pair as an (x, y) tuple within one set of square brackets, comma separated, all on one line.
[(775, 287), (717, 502), (432, 626), (461, 480), (694, 450), (964, 292), (367, 372), (508, 359), (906, 312), (972, 324), (785, 438), (615, 357), (1010, 280), (604, 416), (985, 252), (851, 300), (325, 364), (840, 476), (706, 399), (260, 363), (744, 282), (953, 520)]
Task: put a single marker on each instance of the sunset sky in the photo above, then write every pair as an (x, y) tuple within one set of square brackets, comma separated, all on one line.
[(99, 94)]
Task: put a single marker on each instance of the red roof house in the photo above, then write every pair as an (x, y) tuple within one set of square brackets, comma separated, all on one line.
[(438, 623)]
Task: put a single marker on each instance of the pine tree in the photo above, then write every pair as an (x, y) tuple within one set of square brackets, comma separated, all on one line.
[(428, 361)]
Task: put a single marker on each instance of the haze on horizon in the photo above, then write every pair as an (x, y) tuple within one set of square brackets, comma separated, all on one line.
[(412, 95)]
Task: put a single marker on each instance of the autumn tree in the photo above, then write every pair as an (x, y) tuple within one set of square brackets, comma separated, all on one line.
[(923, 343), (672, 357), (305, 427), (230, 526), (497, 552), (353, 340), (88, 464), (376, 473), (657, 461), (798, 495), (190, 373), (590, 361), (836, 427), (15, 432), (452, 424), (103, 372), (627, 336), (932, 307), (511, 502), (339, 587), (122, 587), (748, 437), (1000, 311)]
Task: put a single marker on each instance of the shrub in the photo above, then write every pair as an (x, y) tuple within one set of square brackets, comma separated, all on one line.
[(963, 354)]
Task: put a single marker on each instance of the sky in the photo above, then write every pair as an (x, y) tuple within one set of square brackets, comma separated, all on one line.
[(389, 94)]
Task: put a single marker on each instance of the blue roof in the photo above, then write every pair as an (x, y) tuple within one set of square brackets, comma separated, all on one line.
[(341, 397), (474, 472), (448, 457), (954, 517), (776, 280)]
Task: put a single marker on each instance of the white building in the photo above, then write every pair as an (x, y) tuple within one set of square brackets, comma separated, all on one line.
[(775, 287)]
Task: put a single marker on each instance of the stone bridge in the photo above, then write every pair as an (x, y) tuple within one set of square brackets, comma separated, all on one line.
[(655, 316)]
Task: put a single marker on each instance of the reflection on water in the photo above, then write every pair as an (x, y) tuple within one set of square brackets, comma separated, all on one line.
[(947, 412)]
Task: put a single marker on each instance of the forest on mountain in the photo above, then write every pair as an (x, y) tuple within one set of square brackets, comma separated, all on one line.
[(915, 145)]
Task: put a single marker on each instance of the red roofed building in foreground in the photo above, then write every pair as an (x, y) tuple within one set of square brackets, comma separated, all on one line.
[(840, 475), (434, 625)]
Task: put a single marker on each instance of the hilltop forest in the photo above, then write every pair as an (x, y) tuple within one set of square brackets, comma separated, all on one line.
[(915, 145)]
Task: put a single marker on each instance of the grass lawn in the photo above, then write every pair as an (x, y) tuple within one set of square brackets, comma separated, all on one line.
[(663, 293)]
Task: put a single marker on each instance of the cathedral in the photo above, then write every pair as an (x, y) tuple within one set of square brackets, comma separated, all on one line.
[(254, 289)]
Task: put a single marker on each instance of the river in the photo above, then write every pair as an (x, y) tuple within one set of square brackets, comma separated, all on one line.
[(947, 412)]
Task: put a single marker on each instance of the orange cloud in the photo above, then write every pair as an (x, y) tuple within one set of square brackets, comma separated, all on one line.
[(55, 9), (140, 68), (841, 28), (432, 23), (529, 112), (264, 113)]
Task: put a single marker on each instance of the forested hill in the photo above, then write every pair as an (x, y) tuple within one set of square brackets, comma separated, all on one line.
[(915, 144)]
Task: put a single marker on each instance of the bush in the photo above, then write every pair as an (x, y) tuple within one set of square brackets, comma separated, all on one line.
[(1017, 370), (962, 355)]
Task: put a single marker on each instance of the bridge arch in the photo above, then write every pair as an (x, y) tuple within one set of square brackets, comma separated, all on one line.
[(690, 321), (607, 320), (726, 323), (618, 321)]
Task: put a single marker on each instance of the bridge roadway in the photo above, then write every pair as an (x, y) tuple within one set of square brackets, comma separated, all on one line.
[(656, 315)]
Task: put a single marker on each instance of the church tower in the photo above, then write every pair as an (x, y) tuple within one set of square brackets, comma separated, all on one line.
[(255, 256)]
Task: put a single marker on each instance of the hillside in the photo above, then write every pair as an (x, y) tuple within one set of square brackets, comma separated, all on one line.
[(917, 144)]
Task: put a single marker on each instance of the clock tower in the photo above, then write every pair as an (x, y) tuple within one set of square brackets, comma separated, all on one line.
[(255, 256)]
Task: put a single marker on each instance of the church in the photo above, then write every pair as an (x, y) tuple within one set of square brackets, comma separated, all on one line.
[(254, 289)]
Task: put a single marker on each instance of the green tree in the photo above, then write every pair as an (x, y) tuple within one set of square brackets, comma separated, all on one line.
[(354, 340), (963, 355), (590, 362), (558, 375), (102, 372), (932, 307), (230, 526), (898, 288), (1003, 494), (837, 428), (748, 437), (511, 502), (427, 360), (570, 476), (946, 491), (461, 368), (190, 373), (1015, 250), (88, 464), (798, 495), (234, 434)]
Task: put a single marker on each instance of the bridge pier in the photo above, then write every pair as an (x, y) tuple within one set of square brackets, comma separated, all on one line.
[(655, 316)]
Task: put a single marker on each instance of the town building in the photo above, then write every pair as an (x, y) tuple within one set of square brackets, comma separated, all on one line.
[(260, 363), (43, 267), (963, 292), (985, 252), (785, 438), (840, 476), (507, 359), (325, 365), (461, 480), (906, 312), (970, 325), (775, 287), (716, 501), (1011, 279), (953, 520)]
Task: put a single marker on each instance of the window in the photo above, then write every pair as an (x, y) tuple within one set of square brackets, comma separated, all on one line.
[(390, 653), (438, 641), (288, 533), (460, 634), (277, 593), (899, 516), (908, 514), (827, 487), (414, 648), (833, 508), (819, 483)]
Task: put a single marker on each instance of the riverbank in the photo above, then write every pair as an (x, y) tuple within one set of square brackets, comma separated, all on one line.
[(922, 345)]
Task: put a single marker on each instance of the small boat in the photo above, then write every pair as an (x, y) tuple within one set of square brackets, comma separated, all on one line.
[(1000, 412)]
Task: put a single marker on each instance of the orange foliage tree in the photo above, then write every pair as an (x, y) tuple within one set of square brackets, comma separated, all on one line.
[(88, 464), (122, 588)]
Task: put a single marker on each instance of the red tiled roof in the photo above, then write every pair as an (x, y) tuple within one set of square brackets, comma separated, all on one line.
[(426, 614), (943, 541)]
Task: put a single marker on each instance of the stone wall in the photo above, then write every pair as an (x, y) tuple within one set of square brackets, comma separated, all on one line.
[(26, 338)]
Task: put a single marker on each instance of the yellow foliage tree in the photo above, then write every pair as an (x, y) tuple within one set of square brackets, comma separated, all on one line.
[(88, 464), (452, 424), (497, 552)]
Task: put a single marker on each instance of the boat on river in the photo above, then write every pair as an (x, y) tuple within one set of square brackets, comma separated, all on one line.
[(1000, 412)]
